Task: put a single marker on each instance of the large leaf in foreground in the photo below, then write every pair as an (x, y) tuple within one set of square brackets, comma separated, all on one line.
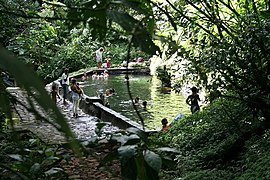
[(29, 81)]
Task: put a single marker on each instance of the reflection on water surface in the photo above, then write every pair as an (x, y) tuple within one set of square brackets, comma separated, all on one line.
[(148, 88)]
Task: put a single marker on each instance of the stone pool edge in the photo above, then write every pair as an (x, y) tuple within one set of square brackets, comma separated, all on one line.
[(94, 105)]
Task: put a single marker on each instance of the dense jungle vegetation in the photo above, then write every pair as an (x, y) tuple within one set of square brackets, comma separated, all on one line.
[(220, 45)]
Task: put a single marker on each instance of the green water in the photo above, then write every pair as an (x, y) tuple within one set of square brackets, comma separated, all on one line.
[(159, 105)]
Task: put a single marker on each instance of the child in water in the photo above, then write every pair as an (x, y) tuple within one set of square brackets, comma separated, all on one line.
[(84, 77), (105, 74), (193, 99), (164, 123), (136, 100), (95, 75), (144, 103)]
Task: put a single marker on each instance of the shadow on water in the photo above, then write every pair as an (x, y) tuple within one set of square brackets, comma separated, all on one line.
[(147, 88)]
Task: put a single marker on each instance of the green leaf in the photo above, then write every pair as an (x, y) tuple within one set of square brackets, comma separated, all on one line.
[(140, 35), (100, 125), (33, 141), (127, 140), (5, 101), (153, 160), (137, 131), (168, 162), (109, 157), (126, 152), (29, 81), (14, 172), (139, 6), (53, 158), (141, 167), (132, 140), (17, 157), (167, 149), (128, 169), (49, 152), (35, 168), (265, 14), (53, 171)]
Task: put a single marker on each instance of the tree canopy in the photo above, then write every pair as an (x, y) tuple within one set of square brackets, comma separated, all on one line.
[(221, 45)]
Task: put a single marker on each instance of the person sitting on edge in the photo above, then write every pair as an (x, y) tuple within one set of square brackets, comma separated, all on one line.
[(164, 123)]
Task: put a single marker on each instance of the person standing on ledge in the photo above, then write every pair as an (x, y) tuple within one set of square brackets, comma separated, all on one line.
[(108, 59), (193, 99), (99, 53)]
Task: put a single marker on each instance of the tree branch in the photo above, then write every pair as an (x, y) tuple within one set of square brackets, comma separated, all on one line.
[(40, 17), (189, 19), (217, 23)]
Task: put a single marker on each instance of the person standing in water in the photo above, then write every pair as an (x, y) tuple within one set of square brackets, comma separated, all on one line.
[(193, 100)]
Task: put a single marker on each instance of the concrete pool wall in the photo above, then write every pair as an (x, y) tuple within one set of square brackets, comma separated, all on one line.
[(94, 105)]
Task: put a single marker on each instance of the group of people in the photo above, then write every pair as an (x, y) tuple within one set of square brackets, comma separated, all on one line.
[(137, 102), (76, 93), (192, 100), (72, 87), (105, 75), (99, 58)]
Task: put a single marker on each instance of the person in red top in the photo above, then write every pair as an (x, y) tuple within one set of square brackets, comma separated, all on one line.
[(108, 59), (164, 123)]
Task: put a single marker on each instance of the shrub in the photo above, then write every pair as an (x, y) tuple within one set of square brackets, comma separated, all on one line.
[(212, 139)]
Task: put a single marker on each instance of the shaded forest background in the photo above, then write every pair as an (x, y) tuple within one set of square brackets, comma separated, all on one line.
[(222, 46)]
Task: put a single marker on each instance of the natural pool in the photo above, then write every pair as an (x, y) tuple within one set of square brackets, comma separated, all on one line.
[(148, 88)]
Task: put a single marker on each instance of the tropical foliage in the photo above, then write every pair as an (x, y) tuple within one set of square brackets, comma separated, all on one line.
[(220, 45)]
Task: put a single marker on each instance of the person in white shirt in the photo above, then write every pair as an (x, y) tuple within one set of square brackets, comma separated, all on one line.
[(65, 85), (99, 53)]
